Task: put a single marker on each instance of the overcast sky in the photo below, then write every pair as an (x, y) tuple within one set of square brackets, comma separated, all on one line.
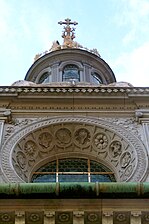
[(119, 29)]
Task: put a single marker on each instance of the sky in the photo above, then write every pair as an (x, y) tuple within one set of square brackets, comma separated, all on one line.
[(118, 29)]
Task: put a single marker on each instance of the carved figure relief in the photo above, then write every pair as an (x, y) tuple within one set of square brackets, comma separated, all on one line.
[(21, 159), (45, 140), (125, 159), (30, 149), (115, 149), (82, 136)]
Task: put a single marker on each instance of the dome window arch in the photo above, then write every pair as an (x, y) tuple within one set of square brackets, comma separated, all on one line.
[(96, 78), (70, 72)]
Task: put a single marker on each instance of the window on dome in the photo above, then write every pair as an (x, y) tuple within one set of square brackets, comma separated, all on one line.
[(73, 170), (71, 72), (96, 78), (45, 78)]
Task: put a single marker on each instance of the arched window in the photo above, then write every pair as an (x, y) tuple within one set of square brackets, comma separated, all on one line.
[(96, 78), (70, 72), (45, 78), (73, 170)]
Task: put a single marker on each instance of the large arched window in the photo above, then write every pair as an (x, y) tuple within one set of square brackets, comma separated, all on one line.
[(73, 170), (70, 72)]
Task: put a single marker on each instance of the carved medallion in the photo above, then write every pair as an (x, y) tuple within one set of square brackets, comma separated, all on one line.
[(30, 149), (125, 159), (63, 136), (115, 149), (82, 137), (45, 140), (100, 141)]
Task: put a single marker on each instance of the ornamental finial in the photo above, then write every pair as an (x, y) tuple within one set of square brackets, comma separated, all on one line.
[(68, 33)]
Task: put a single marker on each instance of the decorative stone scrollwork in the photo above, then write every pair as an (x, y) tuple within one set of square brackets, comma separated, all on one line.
[(21, 160)]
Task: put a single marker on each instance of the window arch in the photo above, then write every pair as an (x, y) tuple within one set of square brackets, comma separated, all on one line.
[(45, 78), (96, 78), (73, 170), (70, 72)]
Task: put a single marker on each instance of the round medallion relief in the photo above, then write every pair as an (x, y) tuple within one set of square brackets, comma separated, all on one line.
[(30, 149), (100, 141), (125, 159), (82, 137), (63, 137), (45, 141), (115, 149)]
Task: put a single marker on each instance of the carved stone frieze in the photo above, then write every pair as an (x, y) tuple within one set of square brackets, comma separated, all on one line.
[(108, 143)]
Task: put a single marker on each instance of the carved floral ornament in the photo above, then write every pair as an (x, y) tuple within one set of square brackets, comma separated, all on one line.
[(43, 140)]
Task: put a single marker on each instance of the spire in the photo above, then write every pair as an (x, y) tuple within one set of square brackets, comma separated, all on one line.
[(68, 33)]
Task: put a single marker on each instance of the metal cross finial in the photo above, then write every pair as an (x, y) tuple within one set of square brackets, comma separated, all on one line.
[(68, 22), (68, 33)]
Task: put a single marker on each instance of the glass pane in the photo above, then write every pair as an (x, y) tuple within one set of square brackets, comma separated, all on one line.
[(98, 167), (100, 178), (44, 178), (45, 78), (71, 72), (72, 178), (96, 78), (73, 165), (41, 177)]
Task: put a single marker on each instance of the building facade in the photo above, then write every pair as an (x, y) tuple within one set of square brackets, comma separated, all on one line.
[(70, 122)]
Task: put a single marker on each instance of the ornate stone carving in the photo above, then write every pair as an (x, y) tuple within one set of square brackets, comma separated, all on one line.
[(125, 159), (45, 140), (30, 149), (115, 149), (34, 217), (92, 217), (63, 136), (121, 217), (7, 217), (62, 130), (82, 137), (100, 141), (21, 160), (145, 217), (63, 217)]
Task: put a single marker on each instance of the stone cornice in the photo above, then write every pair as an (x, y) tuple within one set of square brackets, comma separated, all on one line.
[(130, 91)]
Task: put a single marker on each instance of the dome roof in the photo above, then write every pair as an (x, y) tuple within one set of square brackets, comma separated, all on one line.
[(70, 62)]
